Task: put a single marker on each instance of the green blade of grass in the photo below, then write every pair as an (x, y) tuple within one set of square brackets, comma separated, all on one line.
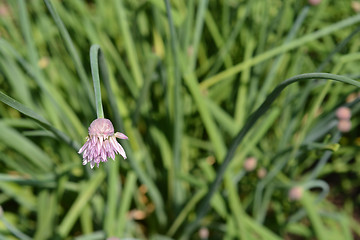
[(114, 197), (269, 81), (317, 225), (84, 196), (281, 49), (13, 229), (178, 114), (30, 113), (63, 110), (211, 128), (71, 48), (14, 140), (129, 42), (199, 23), (86, 220), (129, 189), (191, 204), (17, 81), (46, 213)]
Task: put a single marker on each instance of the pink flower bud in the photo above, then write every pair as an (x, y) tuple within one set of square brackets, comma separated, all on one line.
[(344, 125), (204, 233), (250, 164), (261, 173), (314, 2), (355, 5), (296, 193), (4, 10), (343, 113)]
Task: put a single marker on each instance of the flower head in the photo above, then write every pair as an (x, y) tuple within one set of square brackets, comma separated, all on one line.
[(101, 143)]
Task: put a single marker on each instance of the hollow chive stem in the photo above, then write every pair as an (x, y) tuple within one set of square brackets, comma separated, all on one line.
[(96, 56)]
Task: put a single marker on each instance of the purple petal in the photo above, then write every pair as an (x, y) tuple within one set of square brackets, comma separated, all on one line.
[(103, 155), (122, 151), (115, 145), (86, 153), (118, 147), (112, 155), (83, 147), (107, 146), (120, 135), (92, 163)]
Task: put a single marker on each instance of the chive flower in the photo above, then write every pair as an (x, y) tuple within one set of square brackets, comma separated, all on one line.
[(101, 143)]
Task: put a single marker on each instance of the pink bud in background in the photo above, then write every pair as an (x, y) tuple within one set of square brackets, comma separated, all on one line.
[(344, 125), (261, 173), (314, 2), (250, 164), (355, 5), (204, 233), (343, 113), (296, 193)]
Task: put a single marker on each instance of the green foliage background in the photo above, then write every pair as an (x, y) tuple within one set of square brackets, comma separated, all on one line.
[(183, 78)]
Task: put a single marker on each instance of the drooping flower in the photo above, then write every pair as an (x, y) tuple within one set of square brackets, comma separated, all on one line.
[(101, 143)]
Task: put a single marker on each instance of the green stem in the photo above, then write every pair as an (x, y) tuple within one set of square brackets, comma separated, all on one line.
[(125, 203), (97, 56), (312, 213), (83, 198), (13, 229), (278, 50), (178, 115), (129, 42)]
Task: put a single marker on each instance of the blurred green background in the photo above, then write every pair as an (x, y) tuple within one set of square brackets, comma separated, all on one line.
[(184, 77)]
